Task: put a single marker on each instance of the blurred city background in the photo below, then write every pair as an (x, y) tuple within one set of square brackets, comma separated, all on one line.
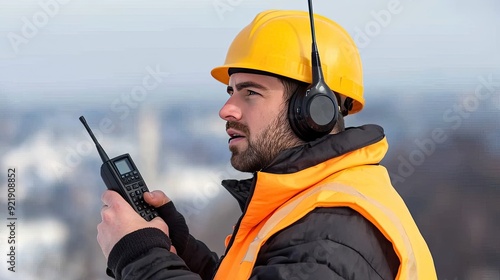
[(139, 72)]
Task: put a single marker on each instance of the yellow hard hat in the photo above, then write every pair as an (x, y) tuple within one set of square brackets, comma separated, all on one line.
[(279, 42)]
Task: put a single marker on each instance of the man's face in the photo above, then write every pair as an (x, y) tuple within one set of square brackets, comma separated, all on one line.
[(257, 124)]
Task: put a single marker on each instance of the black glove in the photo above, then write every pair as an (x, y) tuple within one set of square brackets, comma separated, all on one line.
[(178, 229)]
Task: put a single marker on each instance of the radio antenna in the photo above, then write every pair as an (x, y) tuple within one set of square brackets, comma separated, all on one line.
[(317, 73), (100, 150)]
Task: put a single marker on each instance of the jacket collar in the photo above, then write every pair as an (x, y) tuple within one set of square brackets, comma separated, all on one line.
[(319, 158)]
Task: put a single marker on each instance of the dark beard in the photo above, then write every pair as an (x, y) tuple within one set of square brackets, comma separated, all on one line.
[(260, 152)]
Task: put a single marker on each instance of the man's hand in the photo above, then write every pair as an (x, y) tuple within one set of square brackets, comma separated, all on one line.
[(156, 198), (120, 219)]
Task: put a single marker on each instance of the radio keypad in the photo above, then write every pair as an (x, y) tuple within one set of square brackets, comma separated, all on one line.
[(136, 188)]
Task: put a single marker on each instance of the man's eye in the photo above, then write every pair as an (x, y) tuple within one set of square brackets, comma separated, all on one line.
[(251, 92)]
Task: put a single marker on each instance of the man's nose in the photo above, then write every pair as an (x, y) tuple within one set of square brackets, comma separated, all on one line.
[(230, 111)]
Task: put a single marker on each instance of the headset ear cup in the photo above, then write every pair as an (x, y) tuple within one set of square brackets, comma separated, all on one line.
[(294, 114), (312, 114), (321, 112)]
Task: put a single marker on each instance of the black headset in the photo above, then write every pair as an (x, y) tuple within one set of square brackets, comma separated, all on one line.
[(313, 114)]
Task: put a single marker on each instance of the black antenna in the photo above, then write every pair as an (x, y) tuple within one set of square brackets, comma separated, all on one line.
[(317, 73), (100, 150)]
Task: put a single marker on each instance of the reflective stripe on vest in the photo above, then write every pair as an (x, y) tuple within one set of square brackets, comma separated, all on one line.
[(381, 216)]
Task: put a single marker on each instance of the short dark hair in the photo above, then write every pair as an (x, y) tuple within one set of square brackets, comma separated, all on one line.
[(291, 87)]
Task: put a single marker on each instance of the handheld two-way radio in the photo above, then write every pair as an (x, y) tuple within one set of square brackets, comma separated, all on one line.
[(314, 113), (120, 174)]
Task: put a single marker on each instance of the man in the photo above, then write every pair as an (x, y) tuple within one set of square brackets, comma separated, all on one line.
[(319, 205)]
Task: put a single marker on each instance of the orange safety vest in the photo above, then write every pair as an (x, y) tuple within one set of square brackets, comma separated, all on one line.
[(353, 180)]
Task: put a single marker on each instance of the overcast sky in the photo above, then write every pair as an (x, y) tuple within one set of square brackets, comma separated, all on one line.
[(61, 49)]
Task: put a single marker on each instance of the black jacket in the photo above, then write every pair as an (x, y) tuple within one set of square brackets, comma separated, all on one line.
[(328, 243)]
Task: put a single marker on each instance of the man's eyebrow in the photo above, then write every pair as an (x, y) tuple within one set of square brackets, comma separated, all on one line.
[(248, 84), (244, 85)]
